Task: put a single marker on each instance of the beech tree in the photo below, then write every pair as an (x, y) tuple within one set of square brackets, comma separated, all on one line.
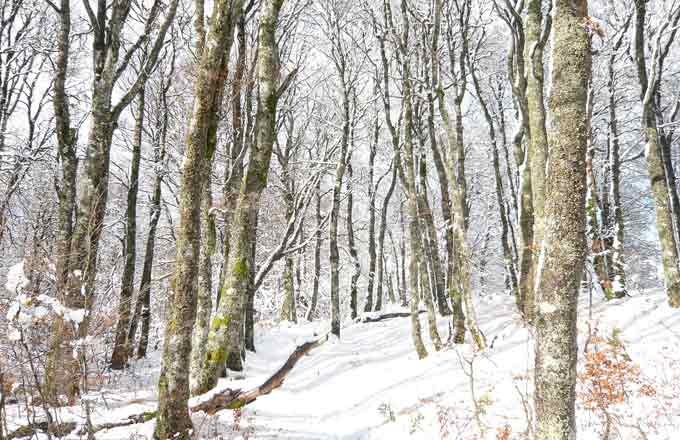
[(562, 255), (173, 419)]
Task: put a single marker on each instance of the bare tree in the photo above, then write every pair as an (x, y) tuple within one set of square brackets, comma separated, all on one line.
[(563, 249)]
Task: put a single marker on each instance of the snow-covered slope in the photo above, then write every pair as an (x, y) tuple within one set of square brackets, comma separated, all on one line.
[(370, 384)]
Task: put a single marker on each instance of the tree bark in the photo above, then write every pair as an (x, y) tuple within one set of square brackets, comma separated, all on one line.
[(618, 273), (173, 385), (381, 241), (204, 304), (664, 220), (353, 290), (121, 346), (317, 254), (372, 187), (537, 148), (225, 340), (563, 253), (66, 190)]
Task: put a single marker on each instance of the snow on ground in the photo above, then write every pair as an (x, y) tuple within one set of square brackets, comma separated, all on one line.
[(370, 384)]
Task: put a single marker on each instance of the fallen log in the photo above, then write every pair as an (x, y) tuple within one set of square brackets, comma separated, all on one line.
[(385, 316), (234, 399), (227, 399), (58, 430), (130, 420)]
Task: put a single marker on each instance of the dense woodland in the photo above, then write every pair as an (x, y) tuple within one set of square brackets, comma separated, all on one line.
[(176, 173)]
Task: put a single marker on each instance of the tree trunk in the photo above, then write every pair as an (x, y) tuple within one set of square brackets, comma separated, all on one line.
[(250, 305), (508, 256), (335, 212), (537, 148), (66, 191), (288, 309), (317, 254), (225, 340), (618, 273), (204, 298), (143, 304), (563, 253), (173, 385), (381, 242), (121, 349), (664, 220), (353, 290), (372, 187)]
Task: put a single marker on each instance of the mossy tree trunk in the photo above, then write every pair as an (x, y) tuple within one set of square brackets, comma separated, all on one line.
[(80, 262), (563, 251), (204, 303), (173, 419), (648, 84), (536, 29), (226, 336), (66, 187)]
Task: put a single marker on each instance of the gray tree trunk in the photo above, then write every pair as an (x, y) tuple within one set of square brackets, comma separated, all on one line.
[(121, 345), (664, 220), (173, 419), (317, 254), (353, 289), (226, 336), (381, 243), (563, 251)]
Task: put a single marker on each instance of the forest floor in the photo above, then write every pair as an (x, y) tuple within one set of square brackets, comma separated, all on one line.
[(370, 384)]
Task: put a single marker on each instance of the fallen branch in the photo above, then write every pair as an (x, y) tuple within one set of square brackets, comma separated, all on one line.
[(57, 430), (131, 420), (227, 399), (233, 399), (389, 316)]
